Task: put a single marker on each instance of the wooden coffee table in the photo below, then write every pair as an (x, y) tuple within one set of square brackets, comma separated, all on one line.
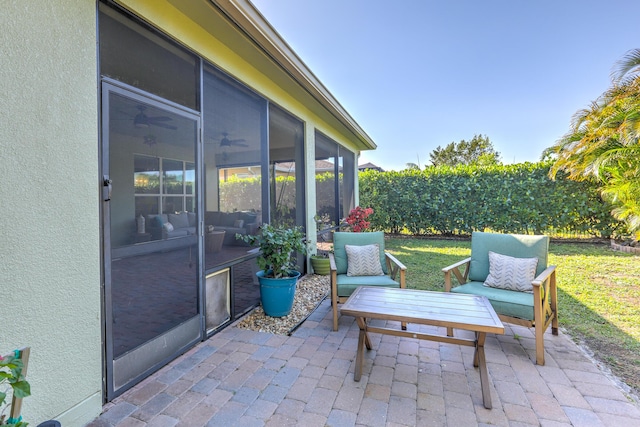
[(448, 310)]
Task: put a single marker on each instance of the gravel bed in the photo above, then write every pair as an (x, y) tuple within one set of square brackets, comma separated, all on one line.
[(310, 291)]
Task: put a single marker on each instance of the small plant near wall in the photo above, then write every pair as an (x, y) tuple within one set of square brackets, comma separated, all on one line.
[(324, 227), (323, 222), (278, 277), (320, 263), (11, 378), (357, 219), (277, 247)]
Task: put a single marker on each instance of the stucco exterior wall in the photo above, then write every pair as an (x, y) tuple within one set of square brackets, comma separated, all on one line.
[(50, 240)]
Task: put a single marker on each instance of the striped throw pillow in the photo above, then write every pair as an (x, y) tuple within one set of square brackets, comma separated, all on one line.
[(514, 274)]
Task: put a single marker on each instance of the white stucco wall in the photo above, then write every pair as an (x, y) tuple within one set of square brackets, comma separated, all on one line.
[(49, 226)]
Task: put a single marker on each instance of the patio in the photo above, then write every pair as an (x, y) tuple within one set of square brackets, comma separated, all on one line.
[(245, 378)]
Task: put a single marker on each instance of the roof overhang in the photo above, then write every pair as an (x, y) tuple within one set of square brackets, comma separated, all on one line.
[(244, 15)]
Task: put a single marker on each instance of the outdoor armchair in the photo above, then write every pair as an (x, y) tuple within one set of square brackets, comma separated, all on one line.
[(503, 268), (355, 263)]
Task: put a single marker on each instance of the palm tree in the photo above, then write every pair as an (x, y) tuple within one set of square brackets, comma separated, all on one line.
[(628, 67), (603, 143)]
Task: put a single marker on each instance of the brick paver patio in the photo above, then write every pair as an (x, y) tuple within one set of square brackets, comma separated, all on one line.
[(246, 378)]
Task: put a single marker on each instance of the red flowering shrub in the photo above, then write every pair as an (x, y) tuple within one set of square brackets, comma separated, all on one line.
[(357, 219)]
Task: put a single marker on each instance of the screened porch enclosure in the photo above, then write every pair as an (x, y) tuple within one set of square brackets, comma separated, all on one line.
[(191, 158)]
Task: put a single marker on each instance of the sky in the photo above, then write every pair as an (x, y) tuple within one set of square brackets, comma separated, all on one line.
[(418, 74)]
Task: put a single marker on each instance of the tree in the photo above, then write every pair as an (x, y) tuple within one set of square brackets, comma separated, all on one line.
[(603, 143), (478, 151), (412, 166)]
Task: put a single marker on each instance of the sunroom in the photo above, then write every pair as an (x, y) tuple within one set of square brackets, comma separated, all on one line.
[(210, 127)]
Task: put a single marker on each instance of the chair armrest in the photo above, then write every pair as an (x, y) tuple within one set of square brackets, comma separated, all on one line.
[(455, 268), (457, 264), (390, 258), (545, 300), (544, 286), (332, 262), (544, 276), (396, 268), (333, 280)]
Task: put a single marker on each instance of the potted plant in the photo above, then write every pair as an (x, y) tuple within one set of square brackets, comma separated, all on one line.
[(11, 374), (277, 276), (324, 227), (320, 263)]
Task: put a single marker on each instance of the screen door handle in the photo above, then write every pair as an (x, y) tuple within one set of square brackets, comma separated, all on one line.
[(106, 190)]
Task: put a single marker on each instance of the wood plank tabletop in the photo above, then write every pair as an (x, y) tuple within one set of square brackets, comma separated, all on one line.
[(461, 311)]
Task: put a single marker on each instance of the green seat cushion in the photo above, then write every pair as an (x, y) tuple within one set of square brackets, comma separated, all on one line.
[(341, 238), (513, 245), (348, 284), (505, 302)]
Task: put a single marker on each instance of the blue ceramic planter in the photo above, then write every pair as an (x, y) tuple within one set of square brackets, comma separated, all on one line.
[(277, 295)]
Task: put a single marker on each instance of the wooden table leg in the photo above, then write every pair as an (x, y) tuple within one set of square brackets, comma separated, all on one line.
[(475, 353), (362, 324), (363, 339), (482, 364)]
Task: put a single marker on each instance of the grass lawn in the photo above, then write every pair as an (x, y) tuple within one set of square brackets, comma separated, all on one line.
[(598, 293)]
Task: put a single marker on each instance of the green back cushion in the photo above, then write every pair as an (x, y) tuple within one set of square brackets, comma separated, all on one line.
[(359, 239), (514, 245)]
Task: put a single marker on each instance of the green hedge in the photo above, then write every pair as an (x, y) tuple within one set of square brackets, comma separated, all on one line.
[(246, 193), (518, 198), (241, 194)]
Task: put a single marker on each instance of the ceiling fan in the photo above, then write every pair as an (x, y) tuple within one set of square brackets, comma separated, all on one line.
[(226, 142), (141, 120)]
